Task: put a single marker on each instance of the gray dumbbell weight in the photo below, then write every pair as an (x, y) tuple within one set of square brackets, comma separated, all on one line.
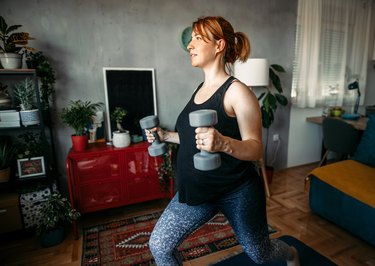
[(156, 148), (204, 160)]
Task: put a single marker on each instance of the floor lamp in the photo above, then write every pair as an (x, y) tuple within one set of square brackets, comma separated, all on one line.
[(255, 73)]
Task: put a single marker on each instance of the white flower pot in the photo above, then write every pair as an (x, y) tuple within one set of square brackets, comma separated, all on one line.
[(11, 60), (121, 139), (30, 117)]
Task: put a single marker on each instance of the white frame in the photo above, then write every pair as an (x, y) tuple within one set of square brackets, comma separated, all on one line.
[(107, 114), (20, 166)]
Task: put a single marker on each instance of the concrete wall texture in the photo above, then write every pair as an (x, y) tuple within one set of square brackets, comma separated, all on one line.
[(83, 36)]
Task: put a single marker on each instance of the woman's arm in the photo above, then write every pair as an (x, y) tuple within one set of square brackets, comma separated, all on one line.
[(239, 102)]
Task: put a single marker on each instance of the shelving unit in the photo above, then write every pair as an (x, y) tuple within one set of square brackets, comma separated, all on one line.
[(18, 187)]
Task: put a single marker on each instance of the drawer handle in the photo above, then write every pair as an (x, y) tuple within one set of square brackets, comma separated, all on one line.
[(3, 211)]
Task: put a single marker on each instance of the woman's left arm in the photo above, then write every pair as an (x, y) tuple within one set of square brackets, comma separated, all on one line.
[(240, 102)]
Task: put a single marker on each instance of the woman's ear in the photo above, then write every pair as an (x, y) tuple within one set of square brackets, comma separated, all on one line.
[(220, 45)]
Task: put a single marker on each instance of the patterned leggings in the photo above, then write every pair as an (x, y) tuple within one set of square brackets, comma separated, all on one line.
[(245, 209)]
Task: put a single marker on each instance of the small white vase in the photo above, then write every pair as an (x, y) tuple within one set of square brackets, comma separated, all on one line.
[(11, 60), (121, 139)]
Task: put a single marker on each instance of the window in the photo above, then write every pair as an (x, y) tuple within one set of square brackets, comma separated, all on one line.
[(331, 50)]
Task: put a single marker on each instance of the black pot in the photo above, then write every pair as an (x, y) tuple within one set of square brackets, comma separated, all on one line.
[(52, 237)]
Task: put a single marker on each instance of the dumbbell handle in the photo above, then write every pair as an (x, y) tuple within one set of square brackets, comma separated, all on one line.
[(155, 135)]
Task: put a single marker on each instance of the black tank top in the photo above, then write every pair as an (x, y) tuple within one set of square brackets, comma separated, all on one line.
[(195, 186)]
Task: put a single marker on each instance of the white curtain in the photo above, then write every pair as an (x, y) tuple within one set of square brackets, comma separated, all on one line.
[(331, 50)]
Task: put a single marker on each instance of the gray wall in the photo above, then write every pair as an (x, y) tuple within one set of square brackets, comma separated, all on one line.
[(83, 36)]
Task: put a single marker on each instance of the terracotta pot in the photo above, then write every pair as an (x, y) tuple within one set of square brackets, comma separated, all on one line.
[(4, 175), (79, 143)]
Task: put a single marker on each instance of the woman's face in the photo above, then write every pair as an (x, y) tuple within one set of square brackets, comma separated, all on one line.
[(202, 51)]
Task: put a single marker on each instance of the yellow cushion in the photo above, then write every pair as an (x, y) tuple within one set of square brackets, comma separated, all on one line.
[(351, 177)]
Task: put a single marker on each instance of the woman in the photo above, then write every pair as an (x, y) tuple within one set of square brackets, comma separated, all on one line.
[(234, 188)]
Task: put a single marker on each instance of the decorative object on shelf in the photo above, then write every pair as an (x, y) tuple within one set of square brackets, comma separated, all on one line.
[(9, 118), (5, 100), (7, 155), (12, 44), (55, 213), (78, 115), (121, 137), (24, 92), (31, 167), (44, 70), (185, 38)]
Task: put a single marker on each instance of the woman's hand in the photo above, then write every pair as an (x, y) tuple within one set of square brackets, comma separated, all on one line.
[(150, 136), (209, 139)]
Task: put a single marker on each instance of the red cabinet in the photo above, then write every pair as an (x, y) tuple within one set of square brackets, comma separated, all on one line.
[(105, 177)]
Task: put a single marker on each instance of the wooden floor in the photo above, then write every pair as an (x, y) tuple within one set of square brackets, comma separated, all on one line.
[(288, 212)]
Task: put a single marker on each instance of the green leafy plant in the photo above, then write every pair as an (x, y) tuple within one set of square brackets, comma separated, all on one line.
[(31, 145), (79, 114), (56, 211), (45, 72), (24, 92), (12, 42), (7, 154), (271, 99), (167, 168), (117, 116)]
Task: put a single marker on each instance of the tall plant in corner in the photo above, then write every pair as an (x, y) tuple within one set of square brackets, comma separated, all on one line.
[(270, 99)]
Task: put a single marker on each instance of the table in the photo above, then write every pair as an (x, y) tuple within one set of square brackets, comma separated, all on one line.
[(359, 124)]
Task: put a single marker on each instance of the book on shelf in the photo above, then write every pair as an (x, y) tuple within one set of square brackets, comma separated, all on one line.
[(10, 124), (9, 116)]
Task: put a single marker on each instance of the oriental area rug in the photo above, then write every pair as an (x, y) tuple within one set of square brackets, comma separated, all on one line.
[(125, 242)]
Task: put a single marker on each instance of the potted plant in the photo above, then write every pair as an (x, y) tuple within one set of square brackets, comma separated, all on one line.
[(78, 115), (167, 168), (24, 92), (269, 103), (121, 137), (7, 155), (11, 44), (44, 70), (55, 213)]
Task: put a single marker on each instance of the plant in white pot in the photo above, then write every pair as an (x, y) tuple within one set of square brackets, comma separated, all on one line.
[(7, 155), (55, 213), (11, 45), (78, 115), (121, 137), (24, 92)]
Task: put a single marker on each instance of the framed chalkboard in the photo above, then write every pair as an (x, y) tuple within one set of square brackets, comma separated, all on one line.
[(132, 89)]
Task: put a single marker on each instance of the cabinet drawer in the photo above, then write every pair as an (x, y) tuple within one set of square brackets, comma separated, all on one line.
[(100, 195), (97, 167), (141, 163), (10, 219)]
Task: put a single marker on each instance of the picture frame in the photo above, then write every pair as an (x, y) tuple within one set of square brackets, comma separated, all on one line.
[(134, 90), (31, 167)]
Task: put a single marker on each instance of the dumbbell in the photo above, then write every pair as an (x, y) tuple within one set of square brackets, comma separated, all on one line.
[(204, 160), (156, 148)]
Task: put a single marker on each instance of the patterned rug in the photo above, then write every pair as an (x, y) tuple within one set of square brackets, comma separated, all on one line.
[(125, 242)]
